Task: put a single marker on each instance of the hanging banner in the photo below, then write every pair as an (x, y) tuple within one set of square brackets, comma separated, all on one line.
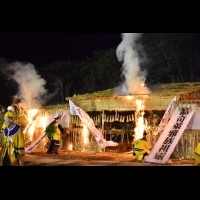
[(169, 138), (71, 108), (30, 148), (165, 118), (194, 122), (87, 121)]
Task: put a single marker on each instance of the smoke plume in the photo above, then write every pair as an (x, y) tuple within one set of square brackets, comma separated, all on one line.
[(31, 87), (134, 77)]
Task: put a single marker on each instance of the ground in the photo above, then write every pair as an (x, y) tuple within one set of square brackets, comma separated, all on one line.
[(95, 156)]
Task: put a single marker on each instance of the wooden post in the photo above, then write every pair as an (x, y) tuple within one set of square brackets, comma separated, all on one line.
[(102, 127)]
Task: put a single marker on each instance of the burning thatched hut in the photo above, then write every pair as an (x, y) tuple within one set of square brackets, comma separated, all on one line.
[(116, 114)]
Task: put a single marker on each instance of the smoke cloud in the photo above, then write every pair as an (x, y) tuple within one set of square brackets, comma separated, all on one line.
[(31, 87), (134, 77)]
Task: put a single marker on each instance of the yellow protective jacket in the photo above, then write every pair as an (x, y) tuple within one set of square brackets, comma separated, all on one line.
[(7, 114), (140, 147), (13, 144), (197, 154), (58, 131)]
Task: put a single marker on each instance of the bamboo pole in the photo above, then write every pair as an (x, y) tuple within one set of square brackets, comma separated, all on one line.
[(102, 128)]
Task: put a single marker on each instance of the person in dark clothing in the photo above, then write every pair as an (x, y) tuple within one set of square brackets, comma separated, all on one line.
[(55, 139)]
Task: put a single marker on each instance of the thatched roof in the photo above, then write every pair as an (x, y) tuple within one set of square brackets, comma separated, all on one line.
[(160, 97)]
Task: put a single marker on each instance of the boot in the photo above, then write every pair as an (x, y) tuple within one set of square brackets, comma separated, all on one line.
[(50, 150), (56, 149)]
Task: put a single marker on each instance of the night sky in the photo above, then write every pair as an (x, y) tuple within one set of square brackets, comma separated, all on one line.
[(46, 48)]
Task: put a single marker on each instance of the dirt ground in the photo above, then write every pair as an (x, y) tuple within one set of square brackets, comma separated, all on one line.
[(108, 155)]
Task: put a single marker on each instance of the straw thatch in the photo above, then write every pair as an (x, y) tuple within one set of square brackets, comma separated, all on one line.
[(160, 97)]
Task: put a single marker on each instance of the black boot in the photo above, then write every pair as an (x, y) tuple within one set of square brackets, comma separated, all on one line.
[(51, 146), (56, 149)]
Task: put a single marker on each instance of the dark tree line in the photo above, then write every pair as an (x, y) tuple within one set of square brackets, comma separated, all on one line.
[(100, 72), (173, 57), (170, 57)]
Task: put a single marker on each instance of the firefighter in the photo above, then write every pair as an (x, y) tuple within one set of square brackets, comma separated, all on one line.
[(12, 144), (197, 154), (141, 148), (10, 113), (55, 139)]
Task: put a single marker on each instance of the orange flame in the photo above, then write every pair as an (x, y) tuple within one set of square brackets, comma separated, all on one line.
[(31, 114), (139, 115), (85, 134), (70, 147), (129, 97), (142, 85)]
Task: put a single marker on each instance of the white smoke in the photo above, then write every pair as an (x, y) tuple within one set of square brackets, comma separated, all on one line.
[(31, 86), (127, 52)]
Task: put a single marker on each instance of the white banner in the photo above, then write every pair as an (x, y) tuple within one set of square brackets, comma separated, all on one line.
[(86, 120), (30, 148), (195, 120), (71, 108), (165, 119), (171, 135)]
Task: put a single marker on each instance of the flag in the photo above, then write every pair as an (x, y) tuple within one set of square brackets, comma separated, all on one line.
[(87, 121)]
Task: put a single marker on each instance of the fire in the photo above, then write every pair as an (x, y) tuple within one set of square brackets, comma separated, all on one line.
[(129, 97), (31, 114), (85, 134), (44, 122), (140, 123), (142, 85), (139, 119), (70, 147)]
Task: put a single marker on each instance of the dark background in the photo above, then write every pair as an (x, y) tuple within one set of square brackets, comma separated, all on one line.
[(46, 48)]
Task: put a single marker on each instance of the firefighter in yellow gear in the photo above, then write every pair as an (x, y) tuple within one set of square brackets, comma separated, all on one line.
[(197, 154), (10, 113), (141, 148), (55, 140), (13, 144)]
